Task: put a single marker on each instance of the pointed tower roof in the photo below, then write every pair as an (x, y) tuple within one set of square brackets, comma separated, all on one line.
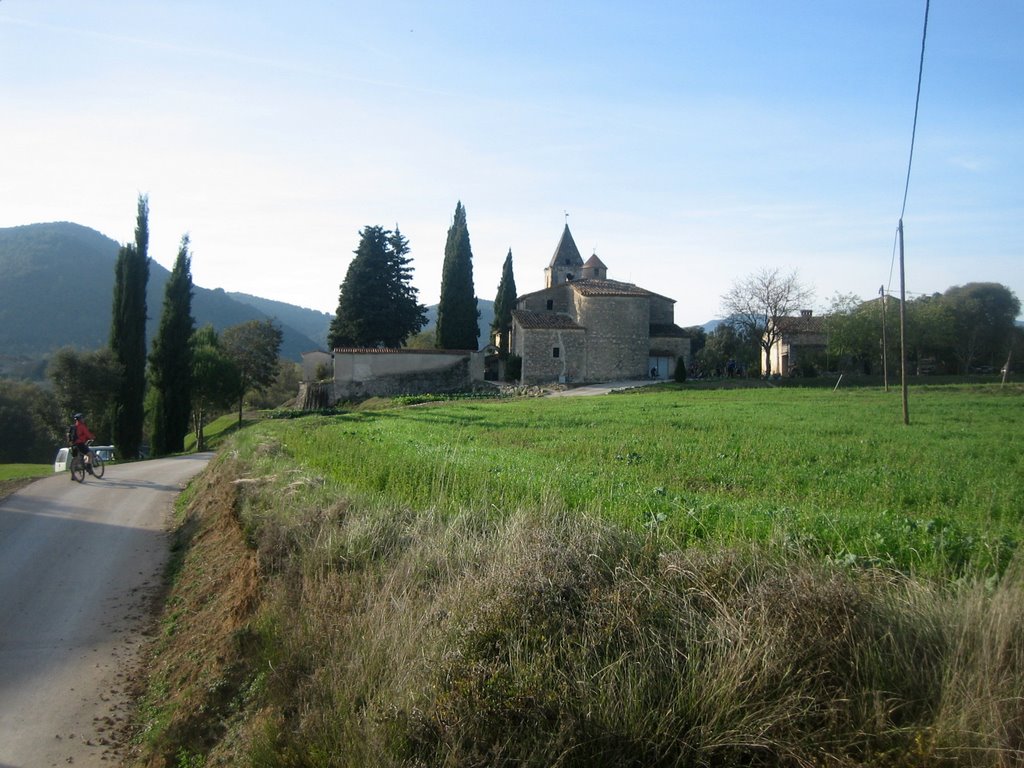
[(593, 261), (566, 252)]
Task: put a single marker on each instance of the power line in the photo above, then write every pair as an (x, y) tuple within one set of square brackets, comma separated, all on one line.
[(913, 137), (917, 104)]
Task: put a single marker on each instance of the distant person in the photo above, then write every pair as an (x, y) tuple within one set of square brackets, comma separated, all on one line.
[(80, 435)]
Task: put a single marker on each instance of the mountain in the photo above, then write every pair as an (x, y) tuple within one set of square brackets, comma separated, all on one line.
[(309, 322), (57, 288)]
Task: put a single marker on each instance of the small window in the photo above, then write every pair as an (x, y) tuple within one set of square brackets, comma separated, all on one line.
[(569, 277), (551, 303), (556, 352)]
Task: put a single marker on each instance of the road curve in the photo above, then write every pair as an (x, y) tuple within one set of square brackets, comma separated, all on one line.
[(77, 564)]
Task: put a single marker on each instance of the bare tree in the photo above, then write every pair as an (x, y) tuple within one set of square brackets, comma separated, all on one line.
[(755, 303)]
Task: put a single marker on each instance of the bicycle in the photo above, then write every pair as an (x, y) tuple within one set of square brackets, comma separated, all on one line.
[(78, 465)]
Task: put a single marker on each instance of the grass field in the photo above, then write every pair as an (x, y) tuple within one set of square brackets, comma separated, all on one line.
[(833, 472), (664, 578)]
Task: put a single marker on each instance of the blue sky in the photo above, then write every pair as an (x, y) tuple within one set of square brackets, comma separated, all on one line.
[(690, 142)]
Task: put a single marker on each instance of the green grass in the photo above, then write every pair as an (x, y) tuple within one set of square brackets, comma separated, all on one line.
[(836, 473), (24, 471), (674, 577), (216, 432)]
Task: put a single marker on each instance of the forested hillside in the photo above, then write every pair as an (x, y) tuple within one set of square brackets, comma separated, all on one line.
[(56, 288)]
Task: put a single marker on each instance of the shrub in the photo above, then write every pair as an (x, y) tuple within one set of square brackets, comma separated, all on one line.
[(680, 373)]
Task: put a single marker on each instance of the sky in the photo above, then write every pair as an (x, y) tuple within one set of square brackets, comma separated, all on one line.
[(687, 143)]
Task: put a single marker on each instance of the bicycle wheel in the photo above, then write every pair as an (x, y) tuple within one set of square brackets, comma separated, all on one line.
[(97, 465), (77, 469)]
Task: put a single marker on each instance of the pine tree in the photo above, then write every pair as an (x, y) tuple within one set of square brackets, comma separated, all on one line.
[(170, 362), (504, 303), (457, 313), (128, 335), (377, 305)]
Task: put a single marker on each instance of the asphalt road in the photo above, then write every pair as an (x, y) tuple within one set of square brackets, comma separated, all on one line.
[(78, 567), (602, 389)]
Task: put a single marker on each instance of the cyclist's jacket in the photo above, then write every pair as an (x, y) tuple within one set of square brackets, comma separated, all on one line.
[(82, 433)]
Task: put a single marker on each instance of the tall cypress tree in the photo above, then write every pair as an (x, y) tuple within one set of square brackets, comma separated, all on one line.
[(457, 313), (170, 361), (128, 334), (504, 303), (377, 304)]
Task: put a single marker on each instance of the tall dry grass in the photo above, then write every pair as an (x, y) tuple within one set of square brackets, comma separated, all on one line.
[(547, 639)]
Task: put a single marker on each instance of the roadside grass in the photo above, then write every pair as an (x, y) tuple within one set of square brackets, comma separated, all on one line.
[(751, 577), (16, 476), (24, 471)]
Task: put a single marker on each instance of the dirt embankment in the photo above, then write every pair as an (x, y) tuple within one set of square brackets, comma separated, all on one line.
[(200, 655)]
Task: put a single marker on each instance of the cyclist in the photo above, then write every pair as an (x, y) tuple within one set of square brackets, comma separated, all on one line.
[(80, 437)]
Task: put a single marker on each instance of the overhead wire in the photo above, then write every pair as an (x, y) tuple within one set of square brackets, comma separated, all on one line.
[(913, 137)]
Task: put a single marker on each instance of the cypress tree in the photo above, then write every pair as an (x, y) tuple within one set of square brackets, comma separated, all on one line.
[(504, 303), (377, 304), (128, 335), (457, 313), (170, 362)]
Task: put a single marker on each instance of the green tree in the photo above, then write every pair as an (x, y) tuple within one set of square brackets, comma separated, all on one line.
[(30, 424), (170, 362), (128, 335), (504, 303), (214, 381), (377, 304), (930, 334), (698, 338), (983, 316), (252, 346), (88, 382), (283, 389), (755, 303), (457, 313), (724, 343)]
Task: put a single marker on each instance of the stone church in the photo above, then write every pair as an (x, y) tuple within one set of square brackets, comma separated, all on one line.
[(583, 327)]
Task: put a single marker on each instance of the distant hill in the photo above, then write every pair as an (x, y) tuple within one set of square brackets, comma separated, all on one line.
[(57, 287), (309, 322)]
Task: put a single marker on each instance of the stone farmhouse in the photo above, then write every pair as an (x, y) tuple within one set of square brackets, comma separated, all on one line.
[(583, 327), (799, 341)]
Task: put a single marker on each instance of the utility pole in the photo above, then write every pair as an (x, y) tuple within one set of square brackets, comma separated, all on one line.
[(885, 353), (903, 330)]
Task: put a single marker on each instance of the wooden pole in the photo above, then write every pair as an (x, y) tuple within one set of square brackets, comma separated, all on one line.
[(885, 352), (903, 330)]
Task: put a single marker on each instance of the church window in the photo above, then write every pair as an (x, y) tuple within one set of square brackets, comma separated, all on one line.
[(551, 303), (556, 352)]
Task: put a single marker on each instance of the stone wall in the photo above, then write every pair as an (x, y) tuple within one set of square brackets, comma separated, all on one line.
[(662, 311), (362, 373), (618, 329), (536, 348), (559, 296)]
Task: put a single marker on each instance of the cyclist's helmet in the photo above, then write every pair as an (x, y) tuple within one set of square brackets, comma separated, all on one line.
[(77, 417)]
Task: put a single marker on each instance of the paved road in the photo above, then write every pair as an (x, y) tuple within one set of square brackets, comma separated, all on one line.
[(78, 564), (601, 389)]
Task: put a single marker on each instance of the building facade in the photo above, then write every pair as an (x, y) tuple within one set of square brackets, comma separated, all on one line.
[(583, 327)]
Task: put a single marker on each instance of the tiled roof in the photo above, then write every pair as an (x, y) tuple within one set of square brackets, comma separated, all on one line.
[(594, 287), (670, 330), (801, 324), (538, 320), (402, 351)]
